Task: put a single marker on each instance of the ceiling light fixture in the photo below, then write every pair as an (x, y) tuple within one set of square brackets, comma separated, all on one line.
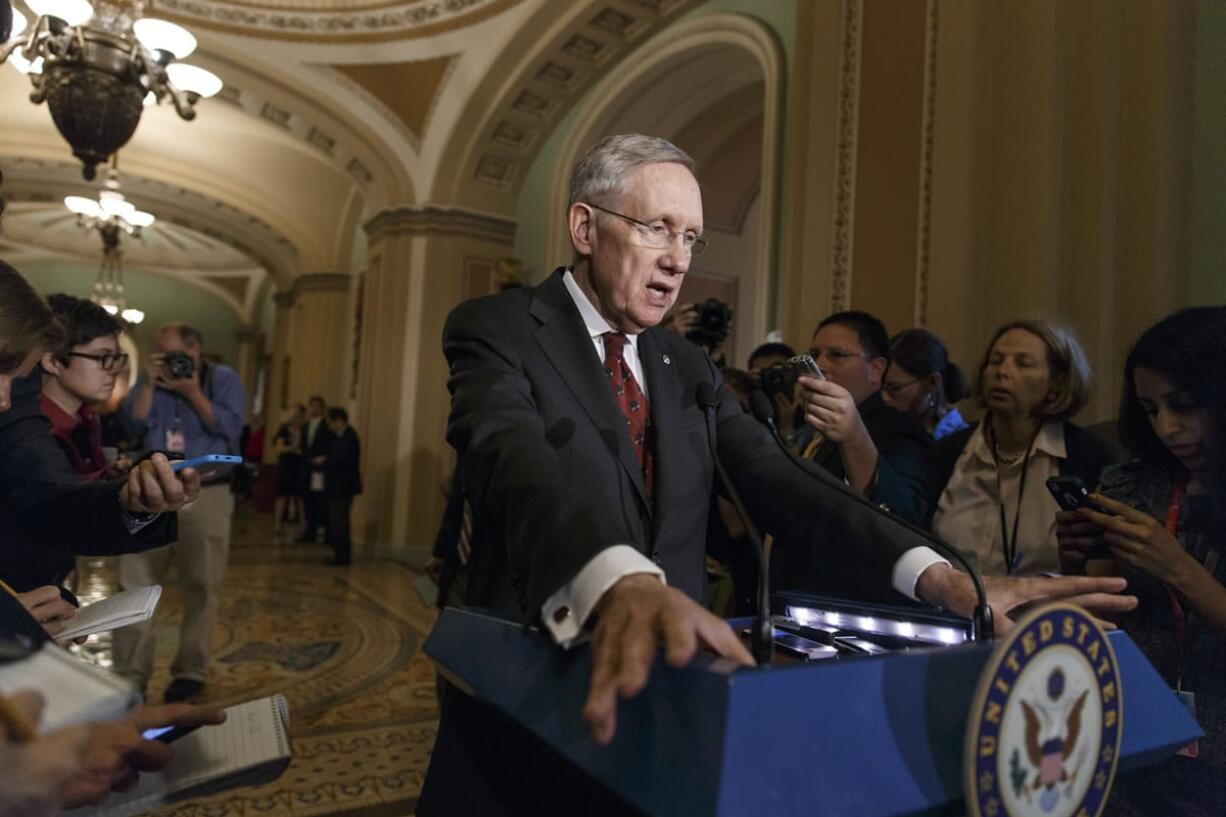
[(97, 66)]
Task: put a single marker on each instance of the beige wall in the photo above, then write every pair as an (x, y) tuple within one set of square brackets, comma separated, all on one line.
[(1021, 157)]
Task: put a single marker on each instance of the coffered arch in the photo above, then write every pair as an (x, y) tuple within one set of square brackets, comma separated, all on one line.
[(731, 128), (555, 57)]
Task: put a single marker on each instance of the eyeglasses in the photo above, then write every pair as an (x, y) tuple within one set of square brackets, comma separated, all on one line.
[(659, 236), (894, 389), (107, 362), (835, 355)]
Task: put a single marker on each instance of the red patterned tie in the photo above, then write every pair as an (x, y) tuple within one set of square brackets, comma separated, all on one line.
[(632, 402)]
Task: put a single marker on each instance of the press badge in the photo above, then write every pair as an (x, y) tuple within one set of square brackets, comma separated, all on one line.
[(176, 441), (1188, 699)]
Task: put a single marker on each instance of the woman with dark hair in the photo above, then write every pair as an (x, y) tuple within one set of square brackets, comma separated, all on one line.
[(1164, 529), (288, 446), (922, 380), (985, 482)]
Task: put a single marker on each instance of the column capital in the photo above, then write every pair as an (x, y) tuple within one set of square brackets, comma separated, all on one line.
[(321, 282), (434, 220), (247, 333)]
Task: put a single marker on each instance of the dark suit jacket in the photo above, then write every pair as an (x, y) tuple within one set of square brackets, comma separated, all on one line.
[(48, 513), (342, 471), (549, 469), (320, 446), (903, 447), (1088, 455), (547, 466)]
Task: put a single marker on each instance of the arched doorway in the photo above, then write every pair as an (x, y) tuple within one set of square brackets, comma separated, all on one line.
[(712, 87)]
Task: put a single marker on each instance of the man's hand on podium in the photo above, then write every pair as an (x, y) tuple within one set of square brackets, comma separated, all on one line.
[(635, 617), (952, 589)]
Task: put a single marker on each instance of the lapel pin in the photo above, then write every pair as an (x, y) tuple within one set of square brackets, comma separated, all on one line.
[(667, 360)]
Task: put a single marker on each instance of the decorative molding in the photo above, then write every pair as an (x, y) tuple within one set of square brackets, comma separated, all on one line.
[(550, 84), (845, 157), (334, 22), (439, 221), (924, 237), (321, 282), (247, 333)]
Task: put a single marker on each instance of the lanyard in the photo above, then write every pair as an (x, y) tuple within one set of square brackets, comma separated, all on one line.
[(1182, 620), (1009, 543)]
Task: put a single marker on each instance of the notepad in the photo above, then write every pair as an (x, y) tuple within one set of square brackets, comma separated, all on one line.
[(251, 748), (74, 691), (113, 612)]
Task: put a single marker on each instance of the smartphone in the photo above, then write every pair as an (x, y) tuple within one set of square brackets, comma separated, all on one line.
[(805, 365), (1070, 493), (168, 734), (211, 465)]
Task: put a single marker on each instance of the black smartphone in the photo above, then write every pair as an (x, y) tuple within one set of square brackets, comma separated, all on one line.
[(1070, 493), (168, 734)]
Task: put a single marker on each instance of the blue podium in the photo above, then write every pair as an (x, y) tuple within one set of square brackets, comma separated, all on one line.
[(873, 735)]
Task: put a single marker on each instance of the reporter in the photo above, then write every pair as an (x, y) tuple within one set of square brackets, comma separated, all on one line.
[(985, 482), (922, 380), (47, 514), (1164, 523)]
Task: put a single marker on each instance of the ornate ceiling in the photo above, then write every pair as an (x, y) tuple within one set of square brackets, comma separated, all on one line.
[(333, 21)]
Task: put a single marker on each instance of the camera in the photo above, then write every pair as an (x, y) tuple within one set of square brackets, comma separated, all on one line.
[(714, 322), (778, 379), (178, 365)]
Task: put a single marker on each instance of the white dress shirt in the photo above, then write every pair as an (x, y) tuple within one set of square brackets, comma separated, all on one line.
[(566, 612)]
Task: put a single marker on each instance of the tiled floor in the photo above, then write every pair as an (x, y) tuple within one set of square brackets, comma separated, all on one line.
[(342, 644)]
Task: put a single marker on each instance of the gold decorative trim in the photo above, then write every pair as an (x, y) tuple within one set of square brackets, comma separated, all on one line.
[(439, 221), (924, 237), (321, 282), (412, 20), (845, 157)]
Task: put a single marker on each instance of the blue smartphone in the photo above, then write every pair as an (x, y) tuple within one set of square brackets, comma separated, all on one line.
[(209, 463), (168, 734)]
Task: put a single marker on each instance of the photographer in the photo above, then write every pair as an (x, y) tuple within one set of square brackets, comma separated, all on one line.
[(187, 406), (768, 365)]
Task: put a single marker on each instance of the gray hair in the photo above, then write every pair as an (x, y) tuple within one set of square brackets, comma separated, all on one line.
[(604, 168)]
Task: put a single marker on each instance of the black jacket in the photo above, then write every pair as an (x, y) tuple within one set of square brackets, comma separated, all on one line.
[(903, 447), (553, 480), (48, 514), (342, 469), (320, 446), (1088, 455)]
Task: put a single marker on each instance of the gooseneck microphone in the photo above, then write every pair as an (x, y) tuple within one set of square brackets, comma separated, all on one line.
[(761, 640), (981, 618)]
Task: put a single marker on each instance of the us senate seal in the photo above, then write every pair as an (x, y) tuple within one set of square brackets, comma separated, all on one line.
[(1043, 736)]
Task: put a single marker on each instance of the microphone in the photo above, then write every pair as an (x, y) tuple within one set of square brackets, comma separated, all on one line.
[(981, 618), (761, 641)]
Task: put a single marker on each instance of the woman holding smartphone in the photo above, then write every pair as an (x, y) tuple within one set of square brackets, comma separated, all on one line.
[(1162, 525)]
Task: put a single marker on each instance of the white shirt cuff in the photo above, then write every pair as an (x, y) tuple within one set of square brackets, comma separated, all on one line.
[(566, 612), (910, 566)]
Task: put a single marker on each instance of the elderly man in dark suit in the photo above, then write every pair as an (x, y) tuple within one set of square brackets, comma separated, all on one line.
[(587, 467)]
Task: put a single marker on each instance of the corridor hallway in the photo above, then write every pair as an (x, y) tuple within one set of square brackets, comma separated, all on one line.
[(342, 644)]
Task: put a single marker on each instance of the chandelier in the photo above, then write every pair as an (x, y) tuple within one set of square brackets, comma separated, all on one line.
[(97, 66), (112, 216)]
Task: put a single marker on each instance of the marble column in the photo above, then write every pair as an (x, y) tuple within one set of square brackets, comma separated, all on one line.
[(421, 263)]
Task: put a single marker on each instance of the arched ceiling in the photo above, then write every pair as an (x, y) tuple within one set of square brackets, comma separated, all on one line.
[(334, 110)]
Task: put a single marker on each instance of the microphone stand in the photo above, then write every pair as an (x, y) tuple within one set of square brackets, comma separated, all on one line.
[(981, 619), (761, 634)]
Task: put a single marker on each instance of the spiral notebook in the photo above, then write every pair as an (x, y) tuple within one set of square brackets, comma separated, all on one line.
[(113, 612), (251, 748), (74, 691)]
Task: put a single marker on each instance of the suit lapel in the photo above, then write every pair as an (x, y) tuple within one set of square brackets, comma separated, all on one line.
[(564, 340), (665, 401)]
